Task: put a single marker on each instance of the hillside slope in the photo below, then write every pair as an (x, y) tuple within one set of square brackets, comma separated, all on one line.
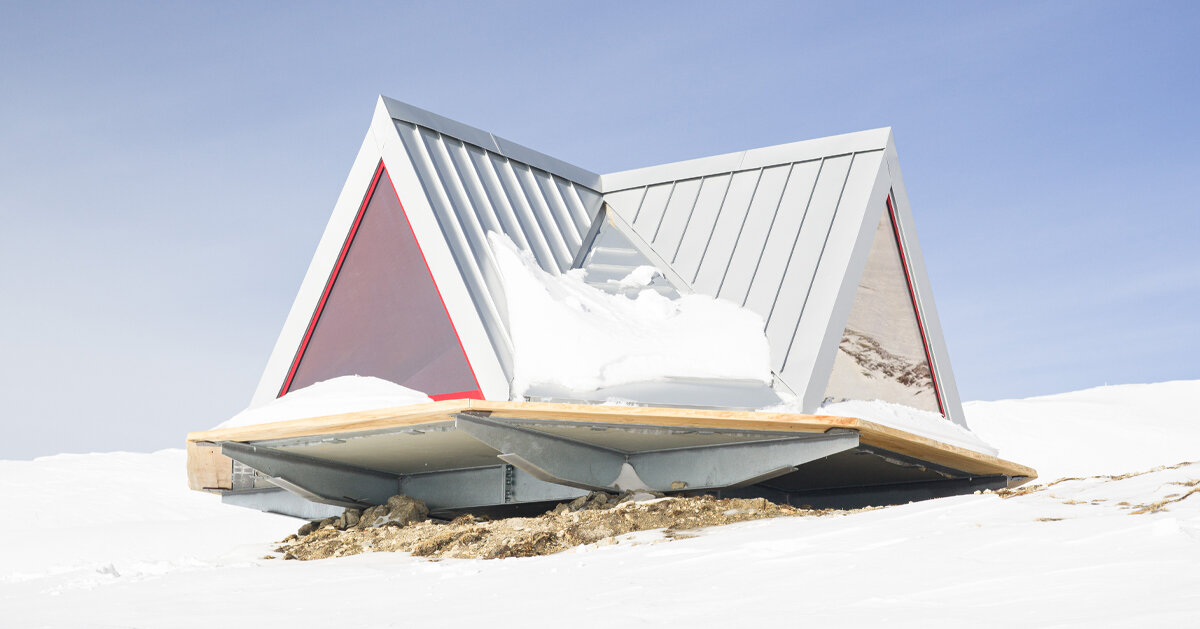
[(116, 539)]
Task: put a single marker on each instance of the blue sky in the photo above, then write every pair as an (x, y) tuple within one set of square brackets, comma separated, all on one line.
[(167, 169)]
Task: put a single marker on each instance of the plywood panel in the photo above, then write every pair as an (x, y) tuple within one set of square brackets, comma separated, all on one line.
[(871, 433), (207, 468)]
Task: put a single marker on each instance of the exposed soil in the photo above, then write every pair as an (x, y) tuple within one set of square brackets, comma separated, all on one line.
[(596, 518), (1189, 488)]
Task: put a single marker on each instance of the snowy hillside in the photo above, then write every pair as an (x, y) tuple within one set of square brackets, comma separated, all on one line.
[(106, 540)]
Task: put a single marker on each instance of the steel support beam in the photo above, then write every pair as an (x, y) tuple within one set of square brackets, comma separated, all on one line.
[(550, 458), (557, 459), (735, 464), (316, 480)]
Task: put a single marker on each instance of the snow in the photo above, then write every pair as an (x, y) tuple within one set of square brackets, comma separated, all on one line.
[(104, 540), (911, 420), (1105, 430), (344, 394), (568, 334)]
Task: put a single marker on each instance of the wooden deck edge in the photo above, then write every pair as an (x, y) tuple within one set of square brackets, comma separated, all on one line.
[(207, 468), (214, 471)]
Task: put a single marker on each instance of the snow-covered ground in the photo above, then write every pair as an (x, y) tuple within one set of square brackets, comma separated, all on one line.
[(116, 540)]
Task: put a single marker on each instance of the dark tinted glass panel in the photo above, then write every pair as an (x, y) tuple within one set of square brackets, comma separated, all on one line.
[(882, 354), (383, 316)]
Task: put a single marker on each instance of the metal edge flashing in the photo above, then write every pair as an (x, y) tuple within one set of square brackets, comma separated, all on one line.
[(802, 151), (922, 288), (469, 324), (409, 113), (839, 269), (312, 285)]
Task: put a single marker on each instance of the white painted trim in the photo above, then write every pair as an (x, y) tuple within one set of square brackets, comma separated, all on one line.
[(313, 285), (951, 402), (835, 283), (872, 140), (483, 139)]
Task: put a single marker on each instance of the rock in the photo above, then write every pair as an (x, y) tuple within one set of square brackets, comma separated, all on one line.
[(326, 522), (578, 503), (307, 528), (399, 509), (348, 519), (676, 485)]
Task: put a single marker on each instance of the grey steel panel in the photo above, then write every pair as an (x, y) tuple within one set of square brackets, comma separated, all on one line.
[(614, 251), (793, 206), (314, 479), (283, 502), (650, 212), (473, 185), (565, 461), (753, 234), (724, 236), (819, 331), (515, 197), (557, 207), (753, 159), (460, 228), (796, 277), (590, 201), (626, 202), (551, 228), (700, 227), (574, 203), (675, 218), (473, 191)]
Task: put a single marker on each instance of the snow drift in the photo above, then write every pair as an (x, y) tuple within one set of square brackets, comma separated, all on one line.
[(571, 335), (330, 397), (117, 539)]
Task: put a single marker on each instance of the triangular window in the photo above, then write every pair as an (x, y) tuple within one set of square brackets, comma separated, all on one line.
[(381, 313), (884, 354)]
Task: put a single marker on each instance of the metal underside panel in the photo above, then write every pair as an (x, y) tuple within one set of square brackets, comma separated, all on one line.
[(481, 462)]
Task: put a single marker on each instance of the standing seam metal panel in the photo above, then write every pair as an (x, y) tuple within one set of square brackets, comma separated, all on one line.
[(474, 191), (753, 236)]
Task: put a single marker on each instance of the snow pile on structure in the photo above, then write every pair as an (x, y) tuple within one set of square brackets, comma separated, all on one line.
[(345, 394), (909, 419), (572, 335)]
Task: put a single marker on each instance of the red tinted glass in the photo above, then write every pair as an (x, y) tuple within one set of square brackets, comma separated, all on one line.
[(382, 314)]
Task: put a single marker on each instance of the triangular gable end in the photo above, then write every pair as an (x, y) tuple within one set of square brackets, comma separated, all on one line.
[(884, 352), (381, 313)]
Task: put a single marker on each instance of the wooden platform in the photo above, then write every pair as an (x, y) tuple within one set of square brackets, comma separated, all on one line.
[(208, 469)]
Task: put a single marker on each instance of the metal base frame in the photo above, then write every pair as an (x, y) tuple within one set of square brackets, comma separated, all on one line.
[(535, 467)]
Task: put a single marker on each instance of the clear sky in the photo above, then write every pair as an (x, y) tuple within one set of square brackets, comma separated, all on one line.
[(166, 169)]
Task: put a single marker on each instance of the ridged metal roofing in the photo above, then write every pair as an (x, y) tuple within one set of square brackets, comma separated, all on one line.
[(755, 236), (475, 189), (782, 230)]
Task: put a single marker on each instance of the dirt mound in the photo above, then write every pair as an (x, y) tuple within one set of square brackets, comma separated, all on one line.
[(596, 518)]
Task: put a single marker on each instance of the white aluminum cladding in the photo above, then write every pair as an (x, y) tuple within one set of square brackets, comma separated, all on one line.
[(783, 230), (473, 191), (754, 236)]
